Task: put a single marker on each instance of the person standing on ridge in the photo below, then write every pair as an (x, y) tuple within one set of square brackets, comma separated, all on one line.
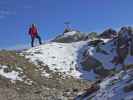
[(33, 32)]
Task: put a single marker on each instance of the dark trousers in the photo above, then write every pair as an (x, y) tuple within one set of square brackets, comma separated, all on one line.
[(33, 38)]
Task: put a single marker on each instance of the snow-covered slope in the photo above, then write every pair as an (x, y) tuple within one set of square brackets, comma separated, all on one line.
[(118, 87), (60, 57), (105, 54)]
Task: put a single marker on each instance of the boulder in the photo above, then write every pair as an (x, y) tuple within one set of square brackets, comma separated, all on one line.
[(128, 88), (90, 62)]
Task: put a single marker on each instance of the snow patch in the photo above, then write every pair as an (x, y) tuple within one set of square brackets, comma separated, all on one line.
[(60, 57), (13, 75), (69, 33), (105, 40)]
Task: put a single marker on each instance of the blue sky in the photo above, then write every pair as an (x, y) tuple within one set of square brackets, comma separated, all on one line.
[(50, 15)]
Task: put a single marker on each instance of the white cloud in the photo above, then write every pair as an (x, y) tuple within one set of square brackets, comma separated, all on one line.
[(5, 13)]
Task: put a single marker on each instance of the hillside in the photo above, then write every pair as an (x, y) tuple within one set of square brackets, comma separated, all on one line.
[(60, 57), (68, 69)]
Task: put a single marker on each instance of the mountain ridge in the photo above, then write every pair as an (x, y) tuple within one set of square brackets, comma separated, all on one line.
[(69, 67)]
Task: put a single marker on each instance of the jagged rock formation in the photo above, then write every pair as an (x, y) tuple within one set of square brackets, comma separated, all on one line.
[(123, 45), (70, 36), (116, 50), (109, 33)]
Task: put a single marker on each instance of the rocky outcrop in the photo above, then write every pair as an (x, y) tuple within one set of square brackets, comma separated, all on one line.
[(109, 33), (123, 45), (89, 62), (117, 49), (69, 36), (130, 29), (90, 90), (128, 88), (95, 42)]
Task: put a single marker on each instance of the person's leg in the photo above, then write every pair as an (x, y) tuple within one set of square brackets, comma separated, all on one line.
[(32, 41), (39, 38)]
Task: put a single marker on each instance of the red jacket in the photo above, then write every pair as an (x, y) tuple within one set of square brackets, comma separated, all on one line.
[(33, 31)]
